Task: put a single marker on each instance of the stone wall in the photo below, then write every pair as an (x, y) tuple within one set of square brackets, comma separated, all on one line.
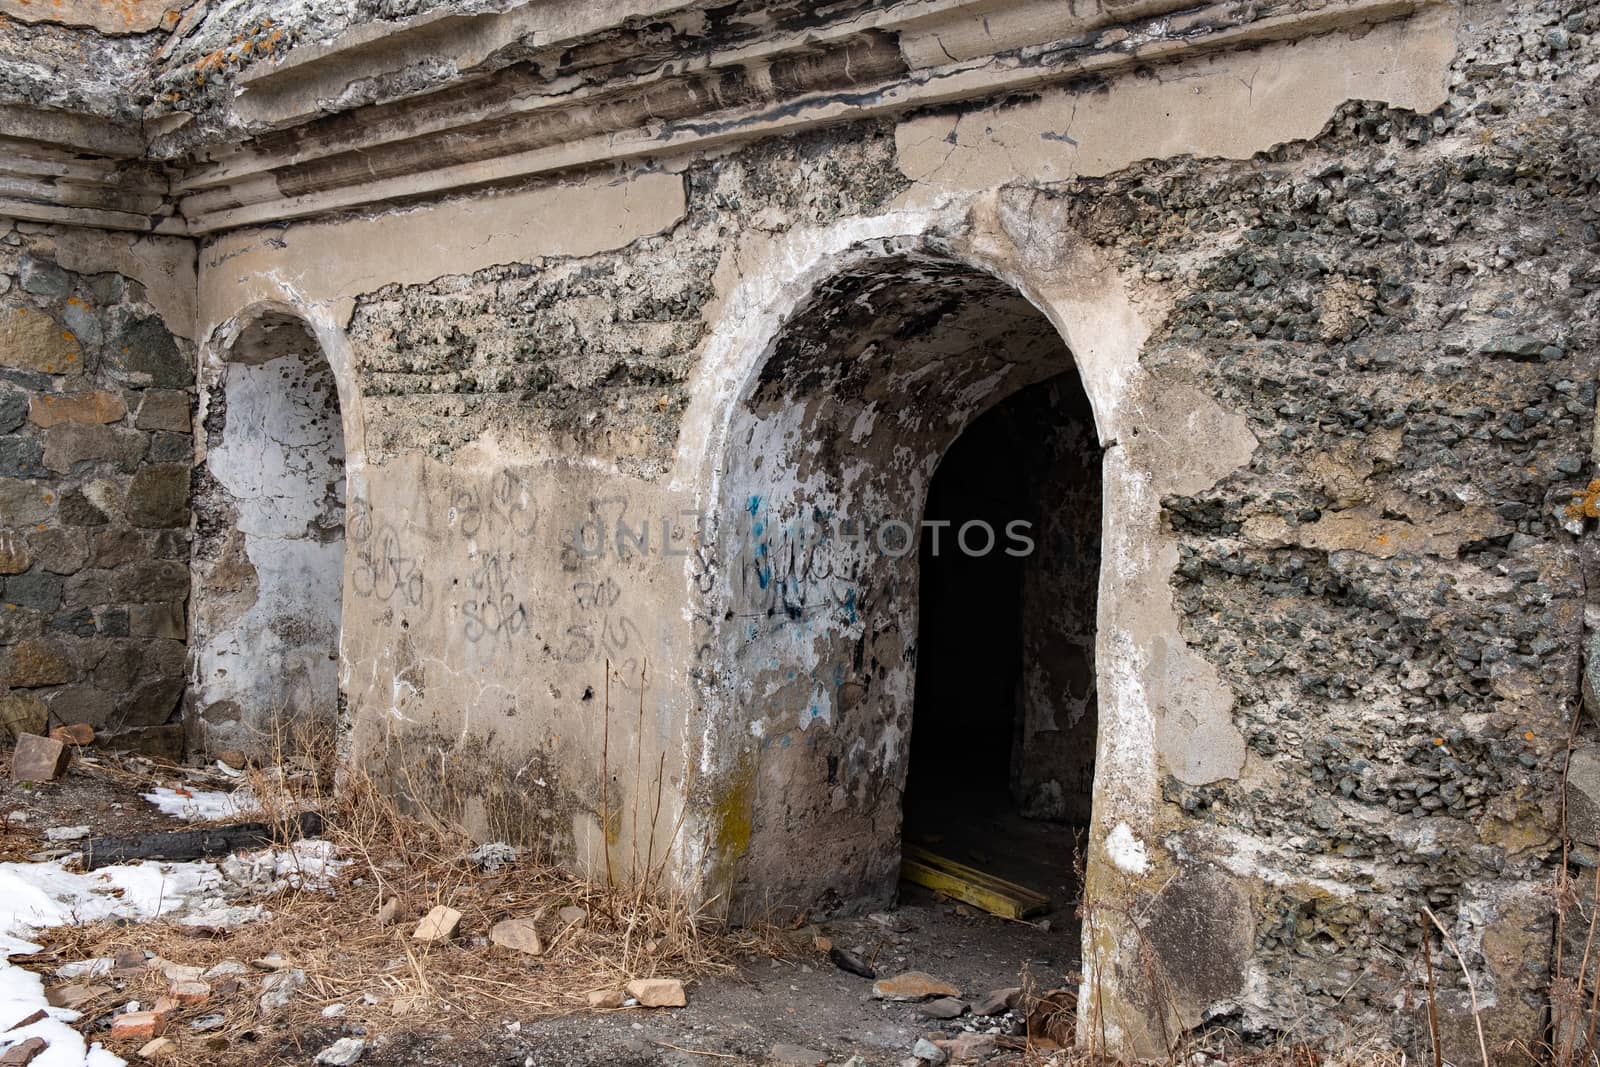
[(96, 396)]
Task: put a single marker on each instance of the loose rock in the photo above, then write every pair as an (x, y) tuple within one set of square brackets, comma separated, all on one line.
[(605, 998), (928, 1052), (440, 924), (278, 989), (80, 734), (943, 1008), (342, 1052), (74, 995), (997, 1001), (39, 759), (970, 1048), (190, 993), (657, 992), (519, 935), (157, 1049), (782, 1055), (23, 1054), (912, 985)]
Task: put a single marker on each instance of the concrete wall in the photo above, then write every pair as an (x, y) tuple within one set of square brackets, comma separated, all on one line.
[(1340, 360), (96, 400)]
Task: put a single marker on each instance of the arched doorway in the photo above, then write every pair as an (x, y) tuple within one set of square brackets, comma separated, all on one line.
[(810, 620), (269, 546), (1001, 773)]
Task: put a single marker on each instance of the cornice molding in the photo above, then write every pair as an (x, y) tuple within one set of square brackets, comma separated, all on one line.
[(599, 94)]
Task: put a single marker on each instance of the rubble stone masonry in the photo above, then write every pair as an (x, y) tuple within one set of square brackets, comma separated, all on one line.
[(96, 396)]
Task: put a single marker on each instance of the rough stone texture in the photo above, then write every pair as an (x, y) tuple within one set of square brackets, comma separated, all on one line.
[(438, 925), (1583, 795), (31, 339), (159, 496), (913, 985), (81, 501), (23, 713), (93, 408), (593, 353), (1353, 463), (166, 409)]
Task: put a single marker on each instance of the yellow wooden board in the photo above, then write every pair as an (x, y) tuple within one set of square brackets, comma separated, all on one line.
[(994, 895)]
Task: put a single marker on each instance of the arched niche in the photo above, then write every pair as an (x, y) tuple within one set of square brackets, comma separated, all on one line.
[(270, 531)]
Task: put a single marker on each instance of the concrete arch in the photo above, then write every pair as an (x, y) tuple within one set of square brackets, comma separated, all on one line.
[(1145, 673)]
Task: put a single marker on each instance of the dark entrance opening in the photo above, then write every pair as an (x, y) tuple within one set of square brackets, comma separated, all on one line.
[(1001, 773)]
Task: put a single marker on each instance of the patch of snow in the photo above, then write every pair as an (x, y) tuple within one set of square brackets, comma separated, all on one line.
[(203, 804), (21, 994), (38, 895), (35, 895), (1126, 851)]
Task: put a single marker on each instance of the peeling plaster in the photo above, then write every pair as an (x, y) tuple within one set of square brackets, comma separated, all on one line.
[(1232, 105)]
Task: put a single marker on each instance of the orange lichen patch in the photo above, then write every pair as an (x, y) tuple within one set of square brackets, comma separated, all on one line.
[(1585, 504)]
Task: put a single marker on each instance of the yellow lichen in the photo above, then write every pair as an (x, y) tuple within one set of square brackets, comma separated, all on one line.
[(1586, 504)]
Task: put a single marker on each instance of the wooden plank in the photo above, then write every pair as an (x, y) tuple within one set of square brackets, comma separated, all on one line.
[(960, 870), (994, 895)]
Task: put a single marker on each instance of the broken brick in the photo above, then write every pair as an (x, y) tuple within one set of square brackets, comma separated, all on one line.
[(37, 1016), (80, 734), (138, 1025)]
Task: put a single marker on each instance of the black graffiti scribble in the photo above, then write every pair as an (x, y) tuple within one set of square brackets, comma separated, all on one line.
[(495, 612), (602, 594), (385, 571), (506, 506)]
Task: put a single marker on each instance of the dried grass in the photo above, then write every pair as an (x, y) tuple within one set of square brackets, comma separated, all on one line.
[(390, 983)]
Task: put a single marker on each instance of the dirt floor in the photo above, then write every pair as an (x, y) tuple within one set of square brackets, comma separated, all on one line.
[(759, 997), (805, 1004)]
